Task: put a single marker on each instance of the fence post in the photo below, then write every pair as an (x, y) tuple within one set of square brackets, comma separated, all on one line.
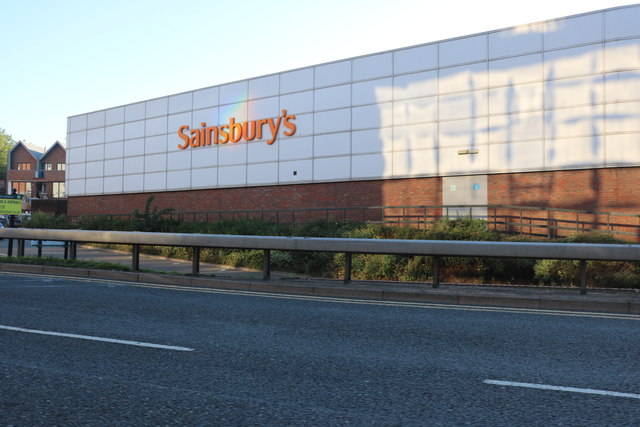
[(583, 277), (347, 267), (436, 271), (521, 221), (135, 258), (266, 265), (195, 262)]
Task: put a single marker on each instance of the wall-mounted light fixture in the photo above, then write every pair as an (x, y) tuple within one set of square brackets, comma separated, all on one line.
[(464, 152)]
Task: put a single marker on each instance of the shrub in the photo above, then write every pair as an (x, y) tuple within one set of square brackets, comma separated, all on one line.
[(152, 220), (601, 274), (45, 220), (462, 229)]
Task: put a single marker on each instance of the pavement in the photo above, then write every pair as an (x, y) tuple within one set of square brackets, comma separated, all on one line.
[(178, 272)]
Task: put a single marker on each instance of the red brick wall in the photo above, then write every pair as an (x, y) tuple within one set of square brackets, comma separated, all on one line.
[(423, 191), (55, 156), (21, 155), (614, 190)]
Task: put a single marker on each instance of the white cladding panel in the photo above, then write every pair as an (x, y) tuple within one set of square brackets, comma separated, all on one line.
[(556, 95), (157, 107), (333, 74), (96, 120), (622, 22), (134, 112), (515, 41)]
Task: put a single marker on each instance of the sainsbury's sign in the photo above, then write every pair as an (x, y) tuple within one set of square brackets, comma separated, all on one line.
[(236, 132)]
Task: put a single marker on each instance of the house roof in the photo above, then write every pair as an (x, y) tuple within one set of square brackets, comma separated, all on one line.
[(53, 147), (35, 151)]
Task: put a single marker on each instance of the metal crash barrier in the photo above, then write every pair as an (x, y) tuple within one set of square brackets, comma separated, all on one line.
[(582, 252)]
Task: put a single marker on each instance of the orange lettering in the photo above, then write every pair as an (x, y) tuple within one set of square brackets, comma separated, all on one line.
[(224, 134), (249, 130), (184, 137), (194, 141), (235, 130), (212, 135), (261, 123), (274, 129), (289, 125)]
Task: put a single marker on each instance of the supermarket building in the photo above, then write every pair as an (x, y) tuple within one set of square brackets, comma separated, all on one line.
[(546, 115)]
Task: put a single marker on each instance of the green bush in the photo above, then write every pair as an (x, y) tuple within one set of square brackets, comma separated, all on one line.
[(462, 229), (45, 220), (601, 274), (614, 274)]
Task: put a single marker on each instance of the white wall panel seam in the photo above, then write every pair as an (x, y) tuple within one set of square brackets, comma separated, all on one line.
[(438, 142), (351, 123), (603, 78), (544, 102)]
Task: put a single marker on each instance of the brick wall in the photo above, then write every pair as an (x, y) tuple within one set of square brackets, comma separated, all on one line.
[(55, 156), (21, 155), (614, 189), (595, 189), (425, 191)]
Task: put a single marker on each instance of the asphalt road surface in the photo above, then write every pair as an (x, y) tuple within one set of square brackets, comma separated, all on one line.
[(80, 352)]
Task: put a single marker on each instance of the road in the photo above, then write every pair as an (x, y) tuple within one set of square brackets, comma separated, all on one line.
[(81, 352)]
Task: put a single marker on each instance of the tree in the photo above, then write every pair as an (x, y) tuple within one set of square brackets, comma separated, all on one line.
[(6, 144)]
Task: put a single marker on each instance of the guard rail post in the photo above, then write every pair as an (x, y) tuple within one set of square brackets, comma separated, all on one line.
[(347, 268), (583, 277), (195, 262), (266, 265), (135, 258), (39, 248), (436, 271), (20, 247), (73, 249), (10, 248)]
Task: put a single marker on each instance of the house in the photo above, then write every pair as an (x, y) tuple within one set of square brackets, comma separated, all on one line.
[(37, 173)]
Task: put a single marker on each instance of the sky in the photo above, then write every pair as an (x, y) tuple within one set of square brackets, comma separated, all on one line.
[(61, 58)]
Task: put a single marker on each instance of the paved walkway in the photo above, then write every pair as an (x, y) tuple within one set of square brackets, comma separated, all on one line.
[(148, 262), (247, 279)]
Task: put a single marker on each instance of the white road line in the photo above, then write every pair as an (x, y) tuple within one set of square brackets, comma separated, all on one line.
[(348, 300), (92, 338), (560, 388)]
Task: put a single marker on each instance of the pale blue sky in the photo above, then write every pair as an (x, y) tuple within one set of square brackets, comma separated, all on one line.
[(67, 57)]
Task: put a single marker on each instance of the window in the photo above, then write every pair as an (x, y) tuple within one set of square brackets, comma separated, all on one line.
[(22, 187), (24, 166), (48, 166), (58, 190), (62, 166)]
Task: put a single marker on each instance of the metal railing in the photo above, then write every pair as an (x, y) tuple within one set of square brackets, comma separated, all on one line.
[(434, 248), (522, 220)]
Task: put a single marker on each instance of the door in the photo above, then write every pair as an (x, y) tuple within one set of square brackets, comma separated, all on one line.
[(465, 196)]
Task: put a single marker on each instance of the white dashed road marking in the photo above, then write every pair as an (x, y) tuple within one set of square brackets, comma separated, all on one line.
[(92, 338), (561, 388)]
